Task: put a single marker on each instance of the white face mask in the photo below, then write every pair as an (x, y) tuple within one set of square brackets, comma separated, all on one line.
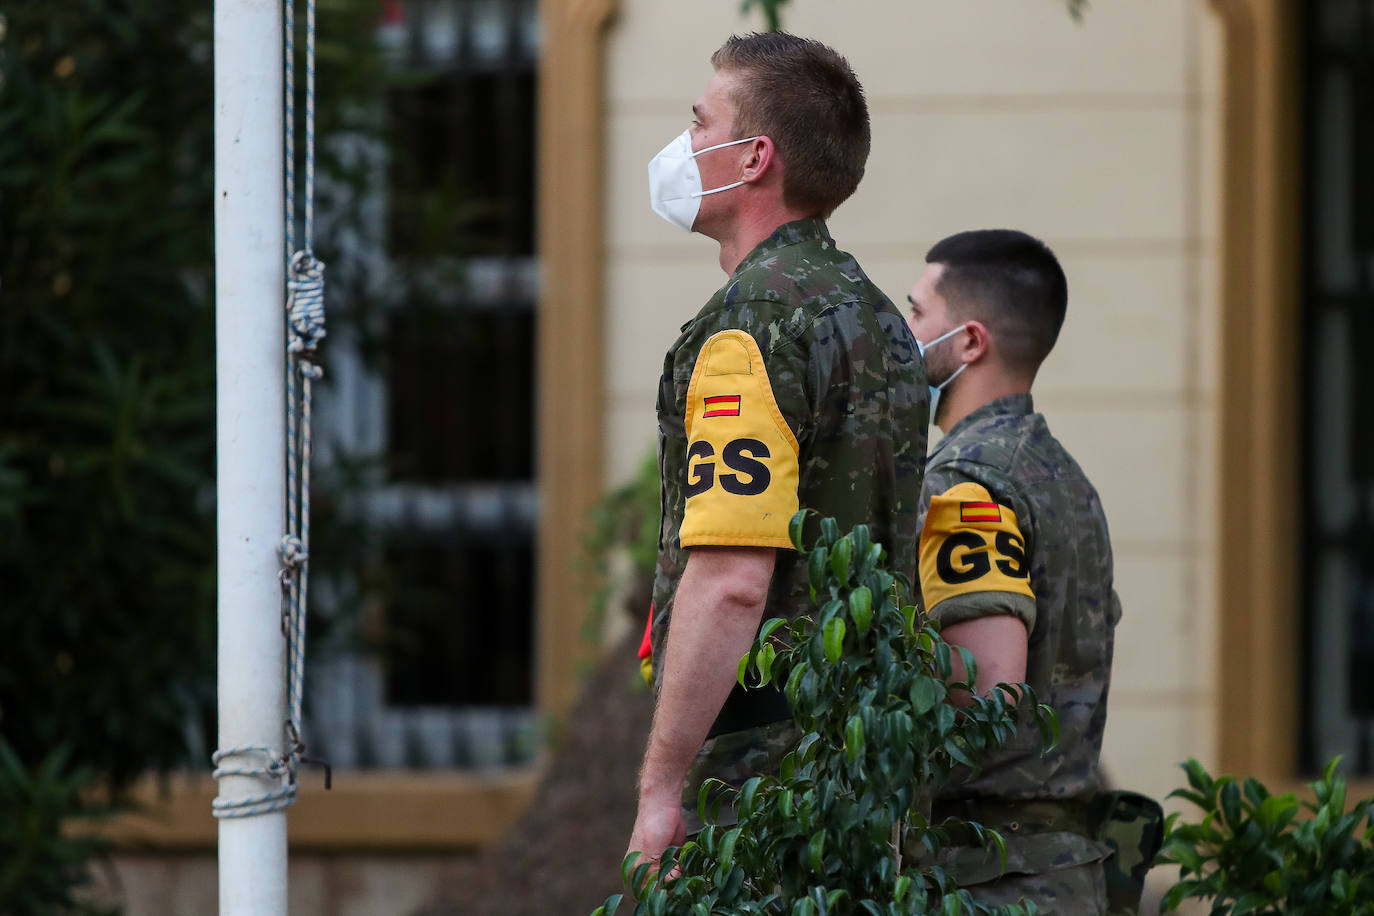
[(675, 181), (936, 389)]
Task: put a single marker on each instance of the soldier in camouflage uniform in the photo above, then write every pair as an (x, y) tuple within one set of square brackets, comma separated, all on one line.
[(1016, 565), (797, 384)]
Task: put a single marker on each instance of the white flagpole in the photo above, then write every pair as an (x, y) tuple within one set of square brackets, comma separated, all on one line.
[(251, 433)]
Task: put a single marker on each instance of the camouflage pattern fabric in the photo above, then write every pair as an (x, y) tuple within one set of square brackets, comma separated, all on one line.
[(1075, 891), (1005, 449), (734, 758), (849, 385), (1132, 825)]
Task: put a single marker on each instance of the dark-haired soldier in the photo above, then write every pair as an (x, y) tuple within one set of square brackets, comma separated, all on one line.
[(798, 383), (1015, 564)]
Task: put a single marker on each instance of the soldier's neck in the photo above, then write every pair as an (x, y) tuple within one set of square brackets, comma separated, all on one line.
[(972, 390), (751, 226)]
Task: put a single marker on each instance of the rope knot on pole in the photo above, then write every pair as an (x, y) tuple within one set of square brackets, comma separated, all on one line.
[(261, 762), (305, 308)]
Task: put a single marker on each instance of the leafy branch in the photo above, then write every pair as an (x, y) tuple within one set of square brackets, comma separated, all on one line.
[(845, 826)]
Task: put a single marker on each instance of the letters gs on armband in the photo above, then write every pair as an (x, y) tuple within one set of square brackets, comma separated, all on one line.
[(742, 456), (973, 562)]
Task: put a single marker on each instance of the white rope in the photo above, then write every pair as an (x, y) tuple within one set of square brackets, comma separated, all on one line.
[(305, 316)]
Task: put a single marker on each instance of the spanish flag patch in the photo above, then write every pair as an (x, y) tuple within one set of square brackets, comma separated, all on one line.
[(979, 512), (723, 405)]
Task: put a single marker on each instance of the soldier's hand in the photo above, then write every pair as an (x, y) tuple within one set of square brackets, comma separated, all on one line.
[(658, 825)]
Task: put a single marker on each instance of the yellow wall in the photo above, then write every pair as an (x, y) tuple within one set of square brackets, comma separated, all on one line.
[(1101, 138)]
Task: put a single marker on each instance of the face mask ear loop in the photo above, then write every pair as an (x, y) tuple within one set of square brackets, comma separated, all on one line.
[(952, 376), (943, 337), (724, 145), (724, 187)]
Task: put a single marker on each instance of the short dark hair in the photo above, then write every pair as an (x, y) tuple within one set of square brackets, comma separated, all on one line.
[(805, 97), (1010, 281)]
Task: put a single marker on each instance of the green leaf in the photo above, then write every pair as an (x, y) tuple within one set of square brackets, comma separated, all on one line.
[(770, 627), (726, 853), (815, 851), (815, 569), (794, 529), (1230, 804), (745, 805), (954, 747), (1340, 885), (854, 738), (627, 865), (1197, 776), (925, 693), (944, 718), (840, 556), (950, 905), (765, 663), (942, 662), (1249, 903), (830, 609), (900, 888), (834, 639), (794, 683), (909, 620), (970, 665), (742, 669), (830, 531), (609, 907), (1048, 723), (861, 609)]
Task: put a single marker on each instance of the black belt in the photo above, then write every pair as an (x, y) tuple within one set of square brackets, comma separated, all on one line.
[(749, 709)]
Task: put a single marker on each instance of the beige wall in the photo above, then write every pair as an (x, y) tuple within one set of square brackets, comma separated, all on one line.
[(1099, 137), (319, 885)]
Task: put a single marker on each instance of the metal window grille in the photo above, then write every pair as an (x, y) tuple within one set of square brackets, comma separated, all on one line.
[(1338, 445), (440, 674)]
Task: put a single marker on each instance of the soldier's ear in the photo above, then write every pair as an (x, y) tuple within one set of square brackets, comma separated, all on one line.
[(761, 157), (977, 342)]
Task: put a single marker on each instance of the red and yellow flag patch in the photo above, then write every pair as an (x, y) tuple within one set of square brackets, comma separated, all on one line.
[(979, 512), (722, 405)]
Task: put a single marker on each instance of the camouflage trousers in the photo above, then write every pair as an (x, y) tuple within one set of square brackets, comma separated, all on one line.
[(1079, 890), (733, 758)]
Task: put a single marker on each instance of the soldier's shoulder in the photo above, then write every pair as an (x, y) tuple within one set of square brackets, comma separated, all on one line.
[(987, 446), (1042, 457)]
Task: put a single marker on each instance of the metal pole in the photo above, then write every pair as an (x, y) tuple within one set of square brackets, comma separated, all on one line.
[(250, 399)]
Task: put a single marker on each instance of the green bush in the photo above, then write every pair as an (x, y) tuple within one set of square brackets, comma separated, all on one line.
[(107, 565), (44, 863), (1253, 852), (868, 680)]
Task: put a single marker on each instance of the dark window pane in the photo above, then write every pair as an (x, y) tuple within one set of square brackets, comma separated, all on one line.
[(1338, 414), (458, 629), (462, 395)]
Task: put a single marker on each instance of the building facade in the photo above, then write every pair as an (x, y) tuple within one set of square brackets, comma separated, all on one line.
[(1193, 164)]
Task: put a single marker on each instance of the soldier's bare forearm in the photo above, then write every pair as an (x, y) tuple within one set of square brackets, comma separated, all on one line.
[(716, 614)]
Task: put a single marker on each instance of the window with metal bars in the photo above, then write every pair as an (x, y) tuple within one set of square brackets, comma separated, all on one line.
[(440, 671), (1338, 378)]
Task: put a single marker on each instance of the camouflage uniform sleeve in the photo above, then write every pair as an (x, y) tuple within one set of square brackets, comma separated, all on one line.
[(973, 552)]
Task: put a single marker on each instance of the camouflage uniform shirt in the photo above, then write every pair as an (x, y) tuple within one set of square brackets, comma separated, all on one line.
[(798, 384), (1012, 526)]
